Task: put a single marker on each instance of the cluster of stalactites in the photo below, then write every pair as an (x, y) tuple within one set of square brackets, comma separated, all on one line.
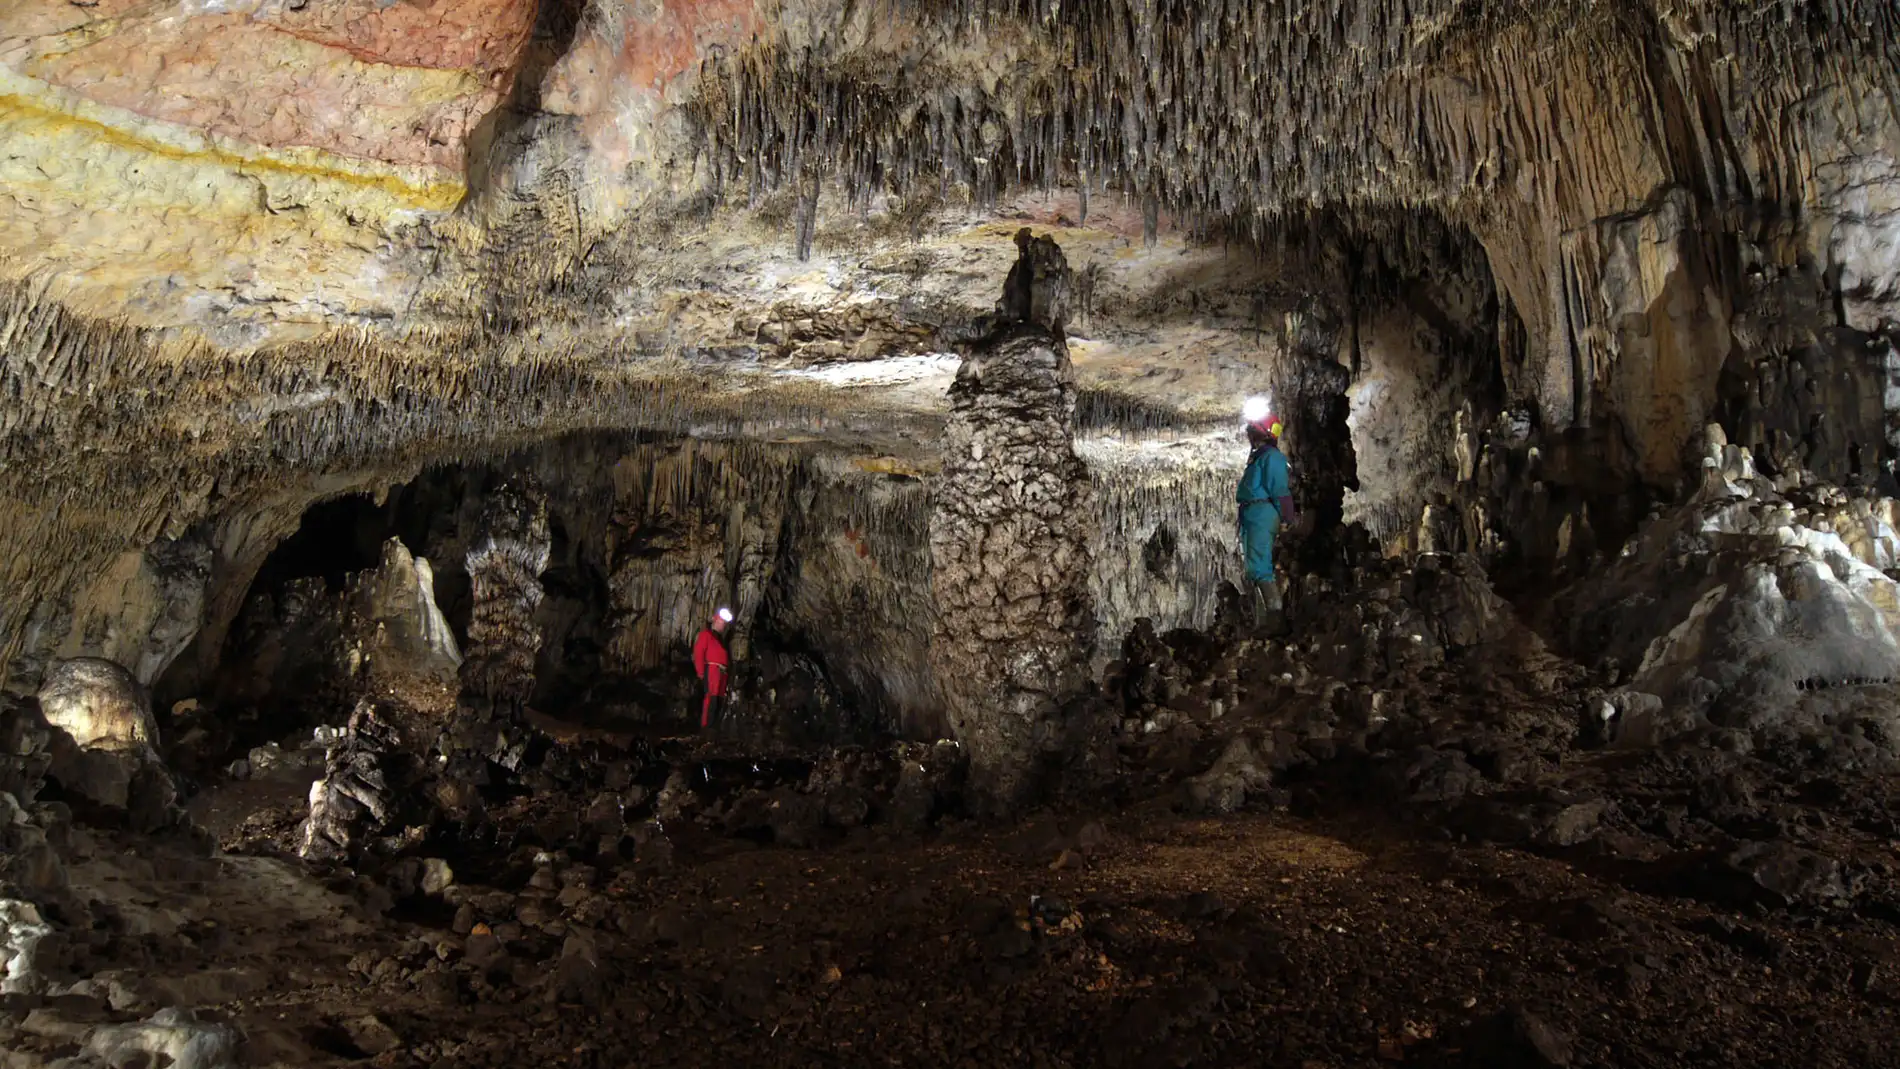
[(702, 522), (1213, 110), (1165, 542), (695, 475)]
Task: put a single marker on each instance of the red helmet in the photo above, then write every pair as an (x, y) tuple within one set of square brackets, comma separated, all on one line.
[(1268, 424), (1256, 413)]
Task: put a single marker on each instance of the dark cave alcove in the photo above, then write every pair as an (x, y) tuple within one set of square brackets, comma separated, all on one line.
[(336, 537), (281, 667), (284, 662)]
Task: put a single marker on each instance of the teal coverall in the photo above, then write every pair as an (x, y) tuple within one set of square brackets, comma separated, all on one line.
[(1264, 486)]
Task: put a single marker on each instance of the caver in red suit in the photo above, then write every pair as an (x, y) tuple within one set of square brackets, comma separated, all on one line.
[(710, 665)]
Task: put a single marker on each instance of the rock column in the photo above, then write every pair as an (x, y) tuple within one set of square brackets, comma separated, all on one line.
[(1009, 535), (1311, 398), (505, 561)]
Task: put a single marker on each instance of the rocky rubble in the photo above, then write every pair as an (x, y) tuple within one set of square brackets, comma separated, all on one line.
[(1738, 754), (54, 918)]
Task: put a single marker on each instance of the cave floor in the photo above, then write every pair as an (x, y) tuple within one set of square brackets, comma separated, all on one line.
[(1259, 939)]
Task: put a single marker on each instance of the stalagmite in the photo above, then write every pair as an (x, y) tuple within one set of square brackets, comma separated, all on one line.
[(354, 798), (1009, 538)]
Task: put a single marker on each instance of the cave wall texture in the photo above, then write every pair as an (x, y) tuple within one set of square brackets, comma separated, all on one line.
[(262, 253), (822, 552), (1621, 162)]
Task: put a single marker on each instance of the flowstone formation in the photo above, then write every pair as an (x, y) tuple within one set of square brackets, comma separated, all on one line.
[(1009, 535), (1760, 615)]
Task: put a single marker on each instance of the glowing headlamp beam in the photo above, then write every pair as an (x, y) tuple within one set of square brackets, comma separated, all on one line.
[(1255, 409)]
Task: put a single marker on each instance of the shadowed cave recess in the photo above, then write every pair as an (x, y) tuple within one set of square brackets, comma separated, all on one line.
[(393, 392)]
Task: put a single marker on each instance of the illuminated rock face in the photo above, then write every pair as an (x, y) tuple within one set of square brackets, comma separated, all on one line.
[(171, 160), (399, 85), (266, 170), (99, 704), (630, 62)]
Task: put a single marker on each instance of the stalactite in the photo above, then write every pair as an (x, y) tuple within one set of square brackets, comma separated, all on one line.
[(1166, 540), (1222, 119)]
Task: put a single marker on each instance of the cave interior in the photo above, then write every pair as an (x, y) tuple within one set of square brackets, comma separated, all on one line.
[(394, 392)]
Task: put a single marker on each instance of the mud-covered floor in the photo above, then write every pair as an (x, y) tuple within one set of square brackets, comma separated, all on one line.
[(1146, 938)]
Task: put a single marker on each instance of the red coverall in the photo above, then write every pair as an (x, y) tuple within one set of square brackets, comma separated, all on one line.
[(709, 663)]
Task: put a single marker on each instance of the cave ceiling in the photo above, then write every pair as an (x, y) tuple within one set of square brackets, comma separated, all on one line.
[(261, 233)]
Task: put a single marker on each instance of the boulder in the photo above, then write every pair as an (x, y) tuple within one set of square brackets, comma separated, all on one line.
[(437, 877), (1517, 1039), (99, 704), (1434, 775), (1781, 874), (1239, 771), (129, 786), (24, 941), (578, 975), (847, 806), (927, 775), (173, 1035), (1545, 818), (371, 1035)]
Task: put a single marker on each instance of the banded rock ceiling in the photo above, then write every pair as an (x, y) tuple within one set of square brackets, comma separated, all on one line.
[(286, 236)]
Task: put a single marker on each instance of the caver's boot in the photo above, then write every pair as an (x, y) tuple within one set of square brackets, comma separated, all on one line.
[(1268, 616)]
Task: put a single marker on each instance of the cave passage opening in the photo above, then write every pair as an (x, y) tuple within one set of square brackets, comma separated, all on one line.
[(335, 538), (645, 538)]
